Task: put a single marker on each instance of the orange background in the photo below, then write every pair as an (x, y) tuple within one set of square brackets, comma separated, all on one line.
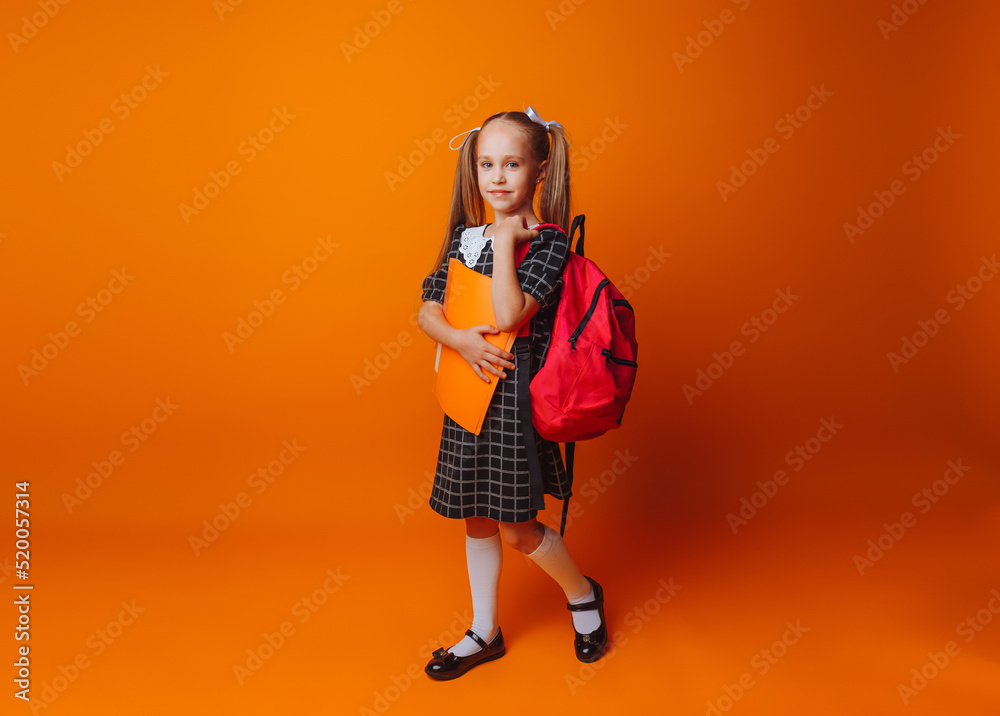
[(647, 187)]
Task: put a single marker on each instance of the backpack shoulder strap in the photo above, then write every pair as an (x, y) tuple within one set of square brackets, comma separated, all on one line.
[(570, 452), (577, 222)]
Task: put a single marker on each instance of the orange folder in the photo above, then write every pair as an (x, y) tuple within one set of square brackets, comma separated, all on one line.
[(468, 301)]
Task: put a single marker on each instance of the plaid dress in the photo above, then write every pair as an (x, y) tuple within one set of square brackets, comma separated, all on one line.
[(487, 475)]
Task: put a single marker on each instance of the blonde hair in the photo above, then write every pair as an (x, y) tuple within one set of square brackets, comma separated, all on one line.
[(467, 206)]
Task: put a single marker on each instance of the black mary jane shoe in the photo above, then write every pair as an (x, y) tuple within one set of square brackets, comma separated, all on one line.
[(590, 647), (444, 665)]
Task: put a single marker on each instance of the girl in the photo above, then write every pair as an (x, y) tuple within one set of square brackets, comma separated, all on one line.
[(495, 480)]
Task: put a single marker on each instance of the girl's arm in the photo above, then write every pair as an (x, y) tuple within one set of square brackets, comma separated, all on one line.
[(512, 306), (431, 320), (479, 353)]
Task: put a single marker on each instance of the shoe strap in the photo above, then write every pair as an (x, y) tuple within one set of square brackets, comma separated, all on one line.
[(476, 638), (586, 606)]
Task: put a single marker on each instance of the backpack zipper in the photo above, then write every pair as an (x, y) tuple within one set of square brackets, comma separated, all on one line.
[(606, 352), (590, 311), (593, 307)]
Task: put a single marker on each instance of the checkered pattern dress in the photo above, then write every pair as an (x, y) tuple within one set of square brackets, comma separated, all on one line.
[(487, 475)]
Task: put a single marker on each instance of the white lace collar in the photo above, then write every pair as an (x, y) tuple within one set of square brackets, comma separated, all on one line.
[(473, 243)]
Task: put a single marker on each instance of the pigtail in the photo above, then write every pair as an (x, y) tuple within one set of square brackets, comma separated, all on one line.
[(467, 205), (554, 202)]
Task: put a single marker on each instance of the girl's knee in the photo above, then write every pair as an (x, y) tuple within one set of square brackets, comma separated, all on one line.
[(522, 536), (480, 527)]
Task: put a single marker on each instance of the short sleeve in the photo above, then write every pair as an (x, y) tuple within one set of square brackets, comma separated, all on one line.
[(541, 269), (435, 283)]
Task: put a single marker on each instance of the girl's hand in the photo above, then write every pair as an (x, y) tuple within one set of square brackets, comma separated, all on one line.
[(481, 354), (515, 230)]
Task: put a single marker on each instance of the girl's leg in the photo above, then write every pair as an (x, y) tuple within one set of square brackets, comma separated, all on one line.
[(484, 556), (548, 550)]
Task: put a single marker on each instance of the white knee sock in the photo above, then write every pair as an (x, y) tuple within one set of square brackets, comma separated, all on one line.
[(485, 560), (553, 557)]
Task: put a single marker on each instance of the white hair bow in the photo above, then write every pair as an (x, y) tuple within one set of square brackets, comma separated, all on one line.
[(535, 117)]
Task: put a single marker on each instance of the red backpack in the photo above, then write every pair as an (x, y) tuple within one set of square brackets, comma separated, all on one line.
[(582, 388)]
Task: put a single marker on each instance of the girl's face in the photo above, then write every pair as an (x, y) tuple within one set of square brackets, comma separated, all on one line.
[(507, 172)]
